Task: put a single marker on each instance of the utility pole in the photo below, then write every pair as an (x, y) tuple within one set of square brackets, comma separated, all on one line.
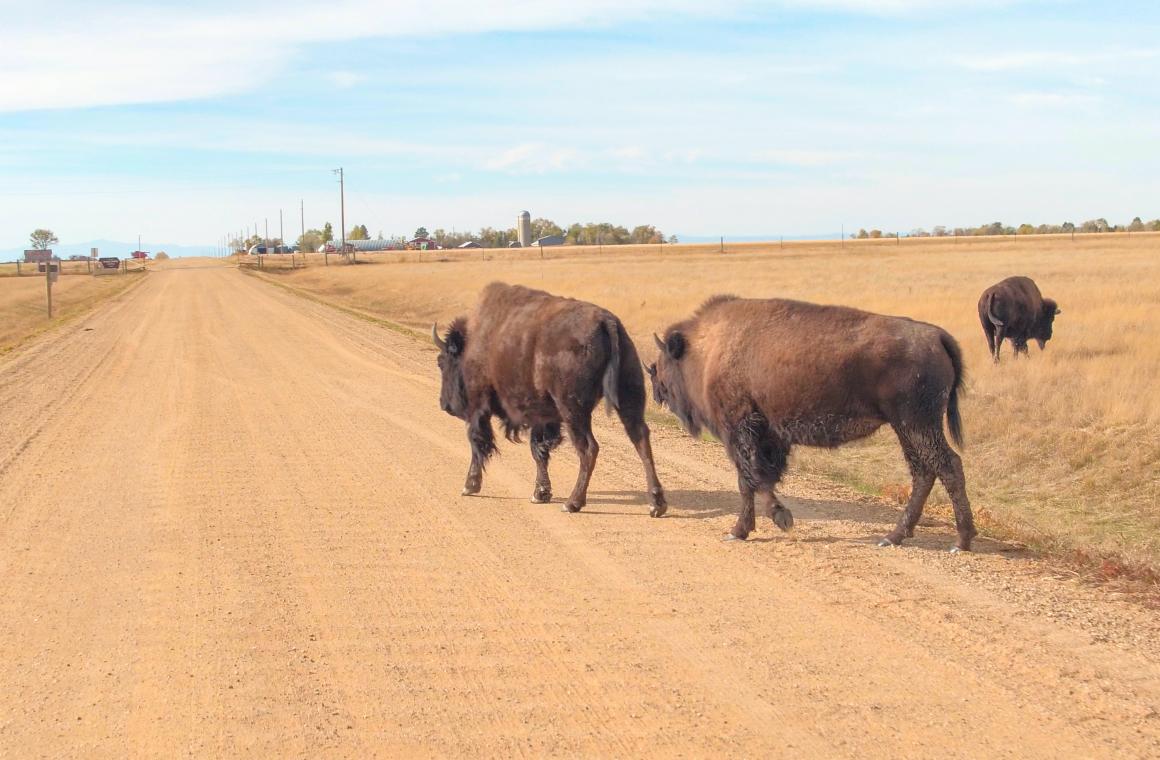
[(266, 239), (342, 206), (281, 239)]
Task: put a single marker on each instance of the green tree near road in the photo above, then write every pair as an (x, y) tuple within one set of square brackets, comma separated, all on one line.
[(422, 233), (327, 233), (42, 239)]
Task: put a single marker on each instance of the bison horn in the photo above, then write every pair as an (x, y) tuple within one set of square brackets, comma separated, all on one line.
[(435, 336), (1058, 310), (660, 343)]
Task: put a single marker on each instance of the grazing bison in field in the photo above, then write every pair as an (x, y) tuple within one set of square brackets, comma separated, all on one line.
[(763, 375), (1015, 309), (541, 362)]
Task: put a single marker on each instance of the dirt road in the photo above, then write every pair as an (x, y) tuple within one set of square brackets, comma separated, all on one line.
[(230, 526)]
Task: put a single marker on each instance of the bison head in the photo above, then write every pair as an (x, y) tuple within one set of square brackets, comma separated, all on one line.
[(668, 380), (1044, 324), (453, 393)]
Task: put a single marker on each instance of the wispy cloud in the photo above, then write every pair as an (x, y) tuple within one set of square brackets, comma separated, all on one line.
[(1045, 59), (118, 53), (1051, 99), (534, 158)]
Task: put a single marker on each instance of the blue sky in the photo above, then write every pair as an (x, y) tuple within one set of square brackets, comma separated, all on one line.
[(189, 122)]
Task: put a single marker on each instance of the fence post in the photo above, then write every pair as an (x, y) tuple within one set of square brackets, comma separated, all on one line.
[(18, 267)]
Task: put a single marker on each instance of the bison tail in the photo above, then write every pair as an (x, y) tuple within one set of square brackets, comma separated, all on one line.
[(612, 369), (991, 311), (954, 421)]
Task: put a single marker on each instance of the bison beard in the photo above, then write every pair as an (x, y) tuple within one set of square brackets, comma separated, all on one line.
[(541, 363), (765, 375)]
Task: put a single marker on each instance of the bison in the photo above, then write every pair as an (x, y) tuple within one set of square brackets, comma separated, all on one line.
[(540, 362), (1015, 309), (763, 375)]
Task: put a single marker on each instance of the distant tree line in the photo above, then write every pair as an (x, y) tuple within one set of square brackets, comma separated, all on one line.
[(998, 228), (592, 233)]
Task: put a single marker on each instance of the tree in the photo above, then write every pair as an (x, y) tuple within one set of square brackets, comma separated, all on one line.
[(543, 227), (327, 233), (1136, 226), (358, 232), (1025, 229), (42, 239), (862, 234), (875, 234), (422, 233), (646, 233), (310, 241), (160, 256)]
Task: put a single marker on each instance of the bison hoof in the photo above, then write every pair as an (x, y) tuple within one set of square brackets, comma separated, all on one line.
[(658, 511), (783, 518), (541, 495), (471, 489), (571, 507), (958, 550), (659, 505), (731, 537), (887, 542)]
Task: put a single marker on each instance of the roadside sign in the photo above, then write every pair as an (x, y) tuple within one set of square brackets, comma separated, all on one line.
[(93, 253), (38, 255), (43, 265), (109, 262)]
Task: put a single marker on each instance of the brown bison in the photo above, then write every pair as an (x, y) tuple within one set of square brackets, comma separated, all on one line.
[(541, 362), (1015, 309), (763, 375)]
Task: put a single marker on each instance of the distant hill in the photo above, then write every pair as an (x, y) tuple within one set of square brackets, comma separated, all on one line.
[(113, 248)]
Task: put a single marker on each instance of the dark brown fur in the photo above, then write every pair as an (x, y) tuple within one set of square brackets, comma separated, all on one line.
[(764, 375), (1015, 309), (539, 362)]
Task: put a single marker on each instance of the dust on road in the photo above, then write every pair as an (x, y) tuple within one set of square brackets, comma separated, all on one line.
[(230, 525)]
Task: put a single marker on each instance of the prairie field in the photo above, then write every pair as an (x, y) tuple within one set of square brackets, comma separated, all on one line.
[(22, 302), (1062, 449)]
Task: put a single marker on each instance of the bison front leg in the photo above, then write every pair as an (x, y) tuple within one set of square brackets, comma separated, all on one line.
[(482, 440), (747, 518), (544, 438), (580, 431), (778, 512), (760, 459)]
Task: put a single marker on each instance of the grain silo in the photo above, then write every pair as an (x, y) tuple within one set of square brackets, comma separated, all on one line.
[(524, 229)]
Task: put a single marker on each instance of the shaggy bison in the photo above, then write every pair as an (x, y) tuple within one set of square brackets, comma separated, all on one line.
[(763, 375), (541, 362), (1015, 309)]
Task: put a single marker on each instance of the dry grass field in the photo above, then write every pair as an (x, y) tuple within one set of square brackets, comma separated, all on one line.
[(1062, 450), (22, 302)]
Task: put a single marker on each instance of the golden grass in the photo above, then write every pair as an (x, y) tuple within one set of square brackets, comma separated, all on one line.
[(22, 302), (1063, 450)]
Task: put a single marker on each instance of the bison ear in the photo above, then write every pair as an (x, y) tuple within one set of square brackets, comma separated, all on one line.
[(651, 369), (675, 345)]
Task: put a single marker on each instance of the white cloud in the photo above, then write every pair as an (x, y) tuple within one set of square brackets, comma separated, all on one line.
[(1051, 99), (807, 158), (346, 79), (1046, 59), (534, 158), (104, 54)]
